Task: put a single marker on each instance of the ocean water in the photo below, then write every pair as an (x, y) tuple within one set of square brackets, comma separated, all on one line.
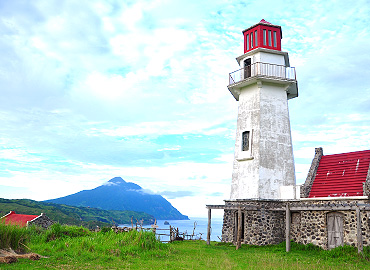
[(187, 227)]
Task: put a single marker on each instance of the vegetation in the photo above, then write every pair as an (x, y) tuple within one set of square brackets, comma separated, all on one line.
[(72, 247), (72, 215), (12, 236)]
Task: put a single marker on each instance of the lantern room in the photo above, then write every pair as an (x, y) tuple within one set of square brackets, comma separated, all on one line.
[(262, 35)]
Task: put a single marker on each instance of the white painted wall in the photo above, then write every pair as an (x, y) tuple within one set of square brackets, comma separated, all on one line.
[(265, 56), (245, 177), (269, 165)]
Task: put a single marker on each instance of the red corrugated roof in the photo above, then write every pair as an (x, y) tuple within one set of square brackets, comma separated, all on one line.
[(341, 175), (18, 219)]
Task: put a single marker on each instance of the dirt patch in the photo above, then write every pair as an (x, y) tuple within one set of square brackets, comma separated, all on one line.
[(10, 256)]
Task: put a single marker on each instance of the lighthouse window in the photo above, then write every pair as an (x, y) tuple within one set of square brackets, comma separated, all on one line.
[(255, 37), (247, 42), (269, 37), (252, 40), (275, 39), (264, 37), (245, 141)]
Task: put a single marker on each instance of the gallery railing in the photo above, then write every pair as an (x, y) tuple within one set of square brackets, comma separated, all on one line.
[(262, 70)]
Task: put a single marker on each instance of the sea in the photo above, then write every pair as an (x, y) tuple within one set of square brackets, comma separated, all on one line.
[(196, 224)]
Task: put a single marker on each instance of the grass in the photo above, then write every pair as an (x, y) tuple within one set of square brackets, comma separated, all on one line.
[(72, 247), (12, 236)]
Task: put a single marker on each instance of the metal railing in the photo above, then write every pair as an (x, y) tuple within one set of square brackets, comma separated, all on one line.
[(263, 70)]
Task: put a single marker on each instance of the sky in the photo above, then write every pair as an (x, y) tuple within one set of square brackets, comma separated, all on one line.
[(91, 90)]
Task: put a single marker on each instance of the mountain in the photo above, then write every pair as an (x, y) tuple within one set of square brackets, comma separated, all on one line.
[(72, 215), (117, 194)]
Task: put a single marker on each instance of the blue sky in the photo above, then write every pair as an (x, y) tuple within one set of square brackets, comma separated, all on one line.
[(90, 90)]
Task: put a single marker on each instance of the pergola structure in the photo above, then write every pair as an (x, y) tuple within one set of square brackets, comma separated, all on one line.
[(337, 207)]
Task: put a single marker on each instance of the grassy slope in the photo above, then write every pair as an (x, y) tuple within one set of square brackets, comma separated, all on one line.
[(72, 215), (137, 250)]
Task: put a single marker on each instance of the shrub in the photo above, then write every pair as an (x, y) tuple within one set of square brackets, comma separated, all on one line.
[(13, 236), (106, 229), (60, 231)]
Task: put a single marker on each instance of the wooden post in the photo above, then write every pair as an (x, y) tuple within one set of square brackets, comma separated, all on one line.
[(239, 234), (287, 228), (208, 227), (359, 231), (171, 238)]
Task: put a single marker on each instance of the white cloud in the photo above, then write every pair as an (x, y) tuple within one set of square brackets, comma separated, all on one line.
[(90, 89), (18, 155)]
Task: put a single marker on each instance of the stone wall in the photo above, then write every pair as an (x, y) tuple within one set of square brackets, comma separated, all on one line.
[(311, 226), (42, 221), (366, 185), (261, 227), (264, 226), (306, 187)]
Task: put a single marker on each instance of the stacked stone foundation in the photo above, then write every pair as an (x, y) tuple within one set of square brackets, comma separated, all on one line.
[(266, 226)]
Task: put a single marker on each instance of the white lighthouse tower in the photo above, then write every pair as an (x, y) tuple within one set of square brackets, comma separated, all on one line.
[(263, 161)]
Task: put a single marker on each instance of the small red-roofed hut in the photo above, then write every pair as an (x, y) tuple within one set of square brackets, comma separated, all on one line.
[(25, 220)]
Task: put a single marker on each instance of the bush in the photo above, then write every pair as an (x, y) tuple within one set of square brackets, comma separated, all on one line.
[(57, 230), (106, 229), (141, 239), (13, 236)]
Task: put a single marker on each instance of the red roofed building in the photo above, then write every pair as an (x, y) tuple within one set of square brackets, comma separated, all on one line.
[(339, 175), (24, 220)]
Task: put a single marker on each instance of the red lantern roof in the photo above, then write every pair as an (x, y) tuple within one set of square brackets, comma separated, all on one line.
[(262, 35)]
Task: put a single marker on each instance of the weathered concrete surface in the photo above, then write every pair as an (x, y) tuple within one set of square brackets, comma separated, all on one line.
[(268, 164)]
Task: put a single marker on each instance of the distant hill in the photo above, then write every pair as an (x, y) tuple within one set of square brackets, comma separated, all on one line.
[(117, 194), (72, 215)]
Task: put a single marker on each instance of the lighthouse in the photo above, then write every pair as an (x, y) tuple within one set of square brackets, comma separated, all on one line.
[(264, 208), (263, 166)]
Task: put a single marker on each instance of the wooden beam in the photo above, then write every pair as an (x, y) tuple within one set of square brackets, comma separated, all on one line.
[(232, 207), (322, 208), (209, 227), (327, 208), (239, 233), (359, 231), (287, 228), (341, 207)]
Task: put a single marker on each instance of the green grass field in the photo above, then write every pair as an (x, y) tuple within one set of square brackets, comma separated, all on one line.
[(71, 247)]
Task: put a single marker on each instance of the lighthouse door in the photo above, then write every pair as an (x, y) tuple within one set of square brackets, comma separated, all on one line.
[(247, 68), (335, 230)]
